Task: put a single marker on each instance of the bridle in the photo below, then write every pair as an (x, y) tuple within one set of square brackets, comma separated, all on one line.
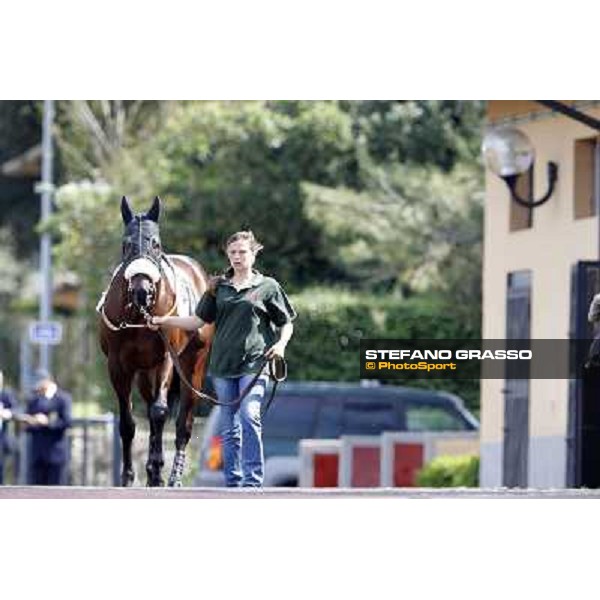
[(145, 312)]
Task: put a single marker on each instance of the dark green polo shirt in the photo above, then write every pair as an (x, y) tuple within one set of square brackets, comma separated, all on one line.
[(245, 323)]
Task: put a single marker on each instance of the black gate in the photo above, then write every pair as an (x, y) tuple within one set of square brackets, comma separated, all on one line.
[(516, 391), (583, 442)]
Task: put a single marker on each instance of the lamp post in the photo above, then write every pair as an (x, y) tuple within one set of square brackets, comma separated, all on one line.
[(46, 190), (509, 153)]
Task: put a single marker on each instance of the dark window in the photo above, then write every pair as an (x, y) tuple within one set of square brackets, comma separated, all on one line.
[(521, 217), (585, 179), (370, 417), (290, 418), (329, 420), (429, 417)]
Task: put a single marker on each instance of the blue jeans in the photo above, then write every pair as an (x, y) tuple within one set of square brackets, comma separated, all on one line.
[(240, 428)]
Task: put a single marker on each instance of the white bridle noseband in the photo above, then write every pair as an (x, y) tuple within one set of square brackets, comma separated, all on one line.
[(142, 266)]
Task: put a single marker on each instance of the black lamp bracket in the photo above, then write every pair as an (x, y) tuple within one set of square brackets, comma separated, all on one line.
[(511, 182)]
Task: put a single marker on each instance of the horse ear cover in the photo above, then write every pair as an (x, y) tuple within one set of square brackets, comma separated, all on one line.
[(154, 213), (126, 211)]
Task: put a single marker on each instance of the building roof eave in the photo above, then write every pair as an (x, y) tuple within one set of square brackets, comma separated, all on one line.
[(27, 164)]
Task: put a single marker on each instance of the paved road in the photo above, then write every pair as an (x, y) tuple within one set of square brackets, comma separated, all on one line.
[(33, 492)]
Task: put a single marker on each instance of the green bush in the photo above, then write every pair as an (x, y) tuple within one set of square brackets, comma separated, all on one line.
[(450, 471)]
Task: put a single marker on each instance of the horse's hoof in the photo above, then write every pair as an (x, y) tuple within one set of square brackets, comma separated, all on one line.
[(175, 483), (127, 479), (156, 483)]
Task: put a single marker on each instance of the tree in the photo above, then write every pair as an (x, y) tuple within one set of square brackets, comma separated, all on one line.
[(94, 136), (240, 165), (20, 131), (407, 223), (224, 166), (437, 133), (12, 276)]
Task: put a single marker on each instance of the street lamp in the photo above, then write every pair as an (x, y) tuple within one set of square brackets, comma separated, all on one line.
[(45, 189), (508, 153)]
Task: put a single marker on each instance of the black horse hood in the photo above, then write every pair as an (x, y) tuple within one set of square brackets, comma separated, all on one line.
[(142, 234)]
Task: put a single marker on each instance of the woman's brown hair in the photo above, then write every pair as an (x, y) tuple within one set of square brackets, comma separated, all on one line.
[(227, 273), (246, 236)]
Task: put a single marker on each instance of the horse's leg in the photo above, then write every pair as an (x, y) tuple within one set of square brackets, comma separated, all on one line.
[(121, 382), (158, 412), (153, 466), (193, 362)]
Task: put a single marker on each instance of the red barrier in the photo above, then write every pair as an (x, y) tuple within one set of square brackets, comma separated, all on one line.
[(360, 458), (319, 463)]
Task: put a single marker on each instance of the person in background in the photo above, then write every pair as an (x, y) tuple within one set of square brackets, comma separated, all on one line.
[(7, 406), (48, 416)]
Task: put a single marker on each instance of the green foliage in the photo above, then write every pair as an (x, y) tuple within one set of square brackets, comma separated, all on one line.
[(380, 198), (88, 228), (414, 229), (450, 471), (240, 165), (439, 133), (20, 130), (331, 323), (11, 269), (380, 194), (20, 122), (12, 276), (93, 136)]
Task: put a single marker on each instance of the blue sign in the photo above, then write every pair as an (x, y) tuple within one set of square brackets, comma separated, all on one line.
[(45, 332)]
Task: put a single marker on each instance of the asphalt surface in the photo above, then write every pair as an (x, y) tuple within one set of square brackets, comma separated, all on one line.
[(142, 493)]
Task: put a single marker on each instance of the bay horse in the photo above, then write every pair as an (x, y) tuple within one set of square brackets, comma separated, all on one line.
[(149, 282)]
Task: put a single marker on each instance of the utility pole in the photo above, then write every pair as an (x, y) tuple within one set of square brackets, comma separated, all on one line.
[(46, 189)]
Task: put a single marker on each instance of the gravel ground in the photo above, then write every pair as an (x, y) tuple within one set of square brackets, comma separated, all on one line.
[(96, 493)]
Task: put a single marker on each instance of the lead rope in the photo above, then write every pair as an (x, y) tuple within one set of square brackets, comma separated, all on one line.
[(275, 365), (277, 372)]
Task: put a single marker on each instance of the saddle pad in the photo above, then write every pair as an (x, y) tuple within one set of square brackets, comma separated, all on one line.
[(187, 297)]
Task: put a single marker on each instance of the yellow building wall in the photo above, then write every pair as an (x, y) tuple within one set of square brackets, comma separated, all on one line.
[(549, 249)]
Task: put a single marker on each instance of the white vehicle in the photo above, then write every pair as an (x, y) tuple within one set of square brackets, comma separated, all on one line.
[(327, 411)]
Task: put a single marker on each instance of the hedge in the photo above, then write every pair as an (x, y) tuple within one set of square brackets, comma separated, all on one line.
[(450, 471), (331, 323)]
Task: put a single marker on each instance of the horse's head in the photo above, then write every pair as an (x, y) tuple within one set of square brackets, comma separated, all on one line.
[(142, 250), (142, 236)]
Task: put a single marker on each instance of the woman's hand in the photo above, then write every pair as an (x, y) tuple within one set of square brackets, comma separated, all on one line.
[(277, 349), (156, 322)]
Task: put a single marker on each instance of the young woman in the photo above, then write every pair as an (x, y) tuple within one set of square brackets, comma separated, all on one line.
[(253, 319)]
